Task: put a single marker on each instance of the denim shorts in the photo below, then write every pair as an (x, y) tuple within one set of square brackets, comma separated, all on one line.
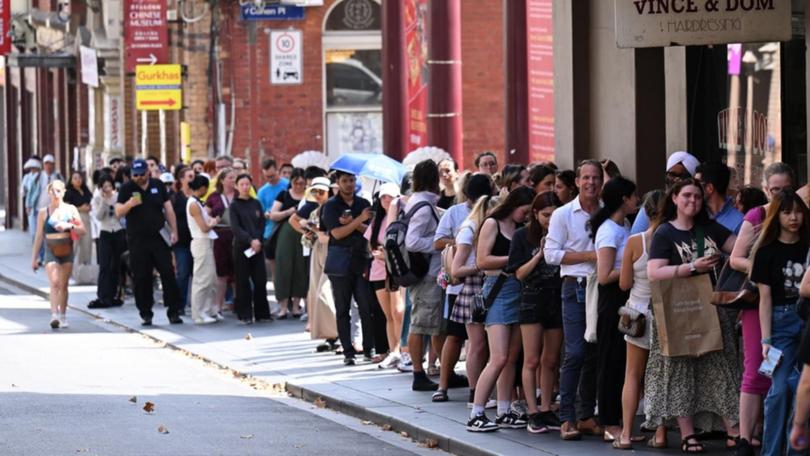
[(505, 310)]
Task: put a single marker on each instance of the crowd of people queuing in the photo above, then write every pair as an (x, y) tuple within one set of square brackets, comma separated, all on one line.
[(534, 273)]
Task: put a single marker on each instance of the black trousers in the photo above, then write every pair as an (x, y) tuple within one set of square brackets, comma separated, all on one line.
[(612, 352), (380, 328), (147, 254), (343, 288), (251, 286), (110, 248)]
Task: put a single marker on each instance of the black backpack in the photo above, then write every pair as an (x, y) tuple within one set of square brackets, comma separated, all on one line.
[(404, 267)]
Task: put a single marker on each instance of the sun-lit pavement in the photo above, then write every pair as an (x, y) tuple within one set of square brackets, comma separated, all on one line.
[(81, 391)]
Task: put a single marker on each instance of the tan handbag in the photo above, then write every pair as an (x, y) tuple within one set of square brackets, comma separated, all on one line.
[(60, 244), (686, 320)]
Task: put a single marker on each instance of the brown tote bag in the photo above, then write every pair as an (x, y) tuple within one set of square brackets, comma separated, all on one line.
[(687, 323)]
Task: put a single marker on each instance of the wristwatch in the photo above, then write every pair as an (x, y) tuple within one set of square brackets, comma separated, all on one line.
[(692, 268)]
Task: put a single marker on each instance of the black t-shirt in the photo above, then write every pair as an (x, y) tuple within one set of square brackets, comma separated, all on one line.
[(179, 201), (330, 219), (76, 198), (804, 346), (146, 219), (521, 251), (446, 201), (780, 266), (287, 201), (679, 246)]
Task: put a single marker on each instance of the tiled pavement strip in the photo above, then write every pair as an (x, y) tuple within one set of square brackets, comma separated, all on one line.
[(281, 353)]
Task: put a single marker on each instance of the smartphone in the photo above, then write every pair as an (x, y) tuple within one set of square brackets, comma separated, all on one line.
[(371, 215), (770, 363), (347, 213)]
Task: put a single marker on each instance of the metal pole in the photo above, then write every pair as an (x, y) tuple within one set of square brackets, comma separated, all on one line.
[(444, 60)]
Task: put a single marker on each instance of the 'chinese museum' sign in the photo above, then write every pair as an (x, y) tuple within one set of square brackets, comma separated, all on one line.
[(146, 33), (659, 23)]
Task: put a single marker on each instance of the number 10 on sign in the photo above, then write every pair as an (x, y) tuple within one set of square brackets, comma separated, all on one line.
[(286, 60)]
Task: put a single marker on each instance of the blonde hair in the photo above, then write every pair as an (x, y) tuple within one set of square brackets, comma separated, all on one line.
[(54, 184)]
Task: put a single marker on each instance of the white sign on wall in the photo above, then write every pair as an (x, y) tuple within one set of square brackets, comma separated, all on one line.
[(660, 23), (286, 59), (89, 66)]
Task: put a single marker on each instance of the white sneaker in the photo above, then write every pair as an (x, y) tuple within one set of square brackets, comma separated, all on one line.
[(405, 363), (54, 321), (205, 320), (217, 316), (63, 321), (390, 361)]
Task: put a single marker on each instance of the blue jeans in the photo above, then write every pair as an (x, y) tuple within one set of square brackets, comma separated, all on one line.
[(406, 319), (786, 333), (578, 371), (182, 256)]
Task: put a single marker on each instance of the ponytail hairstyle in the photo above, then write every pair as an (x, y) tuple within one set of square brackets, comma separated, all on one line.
[(613, 194), (541, 201), (479, 211), (784, 201)]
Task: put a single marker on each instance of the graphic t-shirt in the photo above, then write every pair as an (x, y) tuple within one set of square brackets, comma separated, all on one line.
[(679, 246), (780, 266)]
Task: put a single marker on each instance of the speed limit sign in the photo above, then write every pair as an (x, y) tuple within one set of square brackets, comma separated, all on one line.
[(285, 57)]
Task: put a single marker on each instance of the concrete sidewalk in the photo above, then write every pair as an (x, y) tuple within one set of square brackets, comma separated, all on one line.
[(282, 355)]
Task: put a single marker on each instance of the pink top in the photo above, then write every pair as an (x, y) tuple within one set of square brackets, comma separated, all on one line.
[(377, 266), (755, 216)]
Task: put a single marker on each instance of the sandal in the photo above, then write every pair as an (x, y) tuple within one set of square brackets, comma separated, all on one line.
[(657, 444), (692, 448), (731, 441), (440, 396), (617, 444)]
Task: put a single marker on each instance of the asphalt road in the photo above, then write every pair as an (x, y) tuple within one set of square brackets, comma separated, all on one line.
[(71, 392)]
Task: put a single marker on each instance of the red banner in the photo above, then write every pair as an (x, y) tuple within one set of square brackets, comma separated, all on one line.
[(5, 26), (146, 33), (416, 16), (540, 66)]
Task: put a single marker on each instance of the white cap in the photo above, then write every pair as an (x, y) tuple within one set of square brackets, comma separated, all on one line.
[(32, 163), (167, 178), (686, 159), (48, 159), (320, 183), (390, 189)]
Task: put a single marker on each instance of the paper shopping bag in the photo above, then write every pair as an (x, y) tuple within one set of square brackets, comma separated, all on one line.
[(687, 323)]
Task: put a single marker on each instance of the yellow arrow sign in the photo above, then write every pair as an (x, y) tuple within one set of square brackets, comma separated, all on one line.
[(156, 100), (158, 75)]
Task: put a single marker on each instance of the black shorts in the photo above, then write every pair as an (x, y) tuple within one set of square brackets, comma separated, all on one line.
[(454, 328), (541, 306), (377, 285)]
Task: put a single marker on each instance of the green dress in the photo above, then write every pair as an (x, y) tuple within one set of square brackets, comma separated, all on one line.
[(291, 278)]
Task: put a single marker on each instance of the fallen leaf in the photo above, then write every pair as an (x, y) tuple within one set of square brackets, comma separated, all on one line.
[(246, 436), (249, 336), (149, 407), (163, 429), (366, 422), (13, 385), (432, 443), (83, 450), (404, 434), (278, 388), (133, 399), (319, 402), (387, 427)]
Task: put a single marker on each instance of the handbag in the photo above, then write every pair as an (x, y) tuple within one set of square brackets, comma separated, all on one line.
[(734, 290), (632, 322), (60, 244), (481, 305), (338, 260)]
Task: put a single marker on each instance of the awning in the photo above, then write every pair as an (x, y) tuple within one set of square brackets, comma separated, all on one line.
[(55, 60)]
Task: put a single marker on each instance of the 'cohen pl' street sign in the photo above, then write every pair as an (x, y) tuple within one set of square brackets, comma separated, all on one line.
[(657, 23), (157, 87), (251, 12), (146, 33)]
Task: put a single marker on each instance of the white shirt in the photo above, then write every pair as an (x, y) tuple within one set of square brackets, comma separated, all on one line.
[(193, 227), (567, 232), (449, 226), (612, 235)]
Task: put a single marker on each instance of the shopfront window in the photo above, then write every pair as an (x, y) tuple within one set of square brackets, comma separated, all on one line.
[(353, 78)]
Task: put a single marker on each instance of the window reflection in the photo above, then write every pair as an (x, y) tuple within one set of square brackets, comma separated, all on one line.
[(353, 78)]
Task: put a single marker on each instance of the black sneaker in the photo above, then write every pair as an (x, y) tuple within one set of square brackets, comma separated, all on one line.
[(97, 304), (481, 424), (743, 448), (551, 420), (458, 381), (117, 302), (422, 383), (146, 322), (349, 361), (176, 320), (536, 425), (511, 420)]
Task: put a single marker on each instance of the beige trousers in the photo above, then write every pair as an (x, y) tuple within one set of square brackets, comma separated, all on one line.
[(204, 280)]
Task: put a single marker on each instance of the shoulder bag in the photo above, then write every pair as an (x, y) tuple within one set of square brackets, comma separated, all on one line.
[(481, 305)]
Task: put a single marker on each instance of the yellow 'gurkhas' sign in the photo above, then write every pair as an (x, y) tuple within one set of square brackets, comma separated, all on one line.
[(158, 87), (658, 23)]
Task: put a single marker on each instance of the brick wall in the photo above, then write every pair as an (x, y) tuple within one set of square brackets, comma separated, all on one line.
[(483, 96)]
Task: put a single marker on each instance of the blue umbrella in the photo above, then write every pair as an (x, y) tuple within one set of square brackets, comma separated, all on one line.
[(374, 166)]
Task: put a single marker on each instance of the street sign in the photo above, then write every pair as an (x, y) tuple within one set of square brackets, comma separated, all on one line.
[(5, 27), (146, 33), (286, 60), (158, 87), (251, 12), (89, 66)]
